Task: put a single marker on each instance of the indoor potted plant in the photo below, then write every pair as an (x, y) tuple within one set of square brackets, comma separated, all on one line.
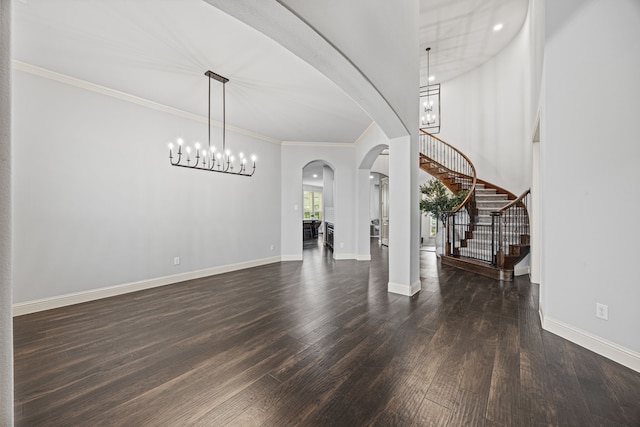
[(438, 200)]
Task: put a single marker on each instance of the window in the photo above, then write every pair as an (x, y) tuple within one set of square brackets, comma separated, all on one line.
[(312, 205), (434, 226)]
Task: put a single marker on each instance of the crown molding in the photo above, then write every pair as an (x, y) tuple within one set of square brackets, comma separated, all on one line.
[(319, 144), (127, 97), (364, 133), (103, 90)]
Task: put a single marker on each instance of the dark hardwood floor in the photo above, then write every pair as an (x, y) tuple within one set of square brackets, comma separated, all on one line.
[(314, 343)]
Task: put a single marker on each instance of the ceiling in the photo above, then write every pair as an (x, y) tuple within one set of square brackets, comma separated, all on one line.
[(159, 50), (461, 36)]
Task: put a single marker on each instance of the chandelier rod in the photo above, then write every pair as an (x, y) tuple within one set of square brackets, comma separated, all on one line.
[(222, 80), (428, 71)]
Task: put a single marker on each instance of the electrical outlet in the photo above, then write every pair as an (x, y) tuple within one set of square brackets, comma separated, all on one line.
[(272, 247), (602, 311), (341, 245), (176, 260)]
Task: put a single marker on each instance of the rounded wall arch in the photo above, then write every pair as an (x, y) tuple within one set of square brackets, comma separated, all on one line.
[(364, 201), (316, 162), (372, 155), (341, 161), (318, 176)]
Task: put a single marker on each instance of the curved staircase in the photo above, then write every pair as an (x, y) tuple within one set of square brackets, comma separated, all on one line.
[(488, 233)]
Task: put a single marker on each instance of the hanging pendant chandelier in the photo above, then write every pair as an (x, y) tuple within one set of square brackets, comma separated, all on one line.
[(428, 117), (210, 159), (430, 103)]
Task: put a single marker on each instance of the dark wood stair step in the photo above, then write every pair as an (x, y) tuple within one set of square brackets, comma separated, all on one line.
[(516, 254), (478, 267), (519, 250)]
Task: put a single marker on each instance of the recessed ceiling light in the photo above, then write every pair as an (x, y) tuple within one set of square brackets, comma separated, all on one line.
[(432, 78), (315, 175), (370, 176), (498, 27)]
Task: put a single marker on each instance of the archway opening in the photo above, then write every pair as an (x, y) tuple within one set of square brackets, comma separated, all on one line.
[(318, 207), (373, 219)]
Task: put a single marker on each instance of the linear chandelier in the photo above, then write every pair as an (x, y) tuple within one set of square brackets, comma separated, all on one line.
[(208, 159)]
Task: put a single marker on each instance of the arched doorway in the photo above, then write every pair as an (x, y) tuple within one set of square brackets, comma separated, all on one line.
[(318, 207), (373, 171)]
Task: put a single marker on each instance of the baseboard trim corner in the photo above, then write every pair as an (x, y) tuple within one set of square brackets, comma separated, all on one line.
[(615, 352), (363, 257), (291, 257), (398, 288), (58, 301)]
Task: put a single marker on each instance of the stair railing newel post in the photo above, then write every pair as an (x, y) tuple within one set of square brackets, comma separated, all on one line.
[(453, 233), (501, 238), (495, 221), (447, 244)]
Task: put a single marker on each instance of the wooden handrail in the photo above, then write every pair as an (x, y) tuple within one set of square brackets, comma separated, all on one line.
[(473, 168), (514, 202)]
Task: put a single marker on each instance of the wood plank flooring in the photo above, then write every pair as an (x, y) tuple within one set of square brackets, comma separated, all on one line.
[(314, 343)]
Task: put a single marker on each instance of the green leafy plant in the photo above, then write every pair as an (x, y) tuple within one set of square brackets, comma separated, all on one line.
[(438, 200)]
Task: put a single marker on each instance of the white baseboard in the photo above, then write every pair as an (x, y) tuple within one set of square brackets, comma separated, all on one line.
[(363, 257), (397, 288), (521, 271), (291, 257), (94, 294), (615, 352), (340, 257)]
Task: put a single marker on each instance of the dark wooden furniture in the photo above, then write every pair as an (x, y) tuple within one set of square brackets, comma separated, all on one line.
[(310, 228), (329, 230)]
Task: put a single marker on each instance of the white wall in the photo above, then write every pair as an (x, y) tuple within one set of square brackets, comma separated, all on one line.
[(366, 31), (313, 188), (487, 114), (6, 323), (97, 204), (381, 165), (374, 197), (341, 159), (589, 157), (328, 186)]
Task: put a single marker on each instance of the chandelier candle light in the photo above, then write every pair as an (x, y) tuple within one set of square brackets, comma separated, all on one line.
[(208, 159)]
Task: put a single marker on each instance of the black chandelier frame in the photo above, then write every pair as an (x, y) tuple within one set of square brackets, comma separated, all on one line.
[(209, 160)]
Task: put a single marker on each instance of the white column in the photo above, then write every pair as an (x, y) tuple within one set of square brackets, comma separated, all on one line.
[(6, 321), (404, 216), (534, 215), (363, 231)]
